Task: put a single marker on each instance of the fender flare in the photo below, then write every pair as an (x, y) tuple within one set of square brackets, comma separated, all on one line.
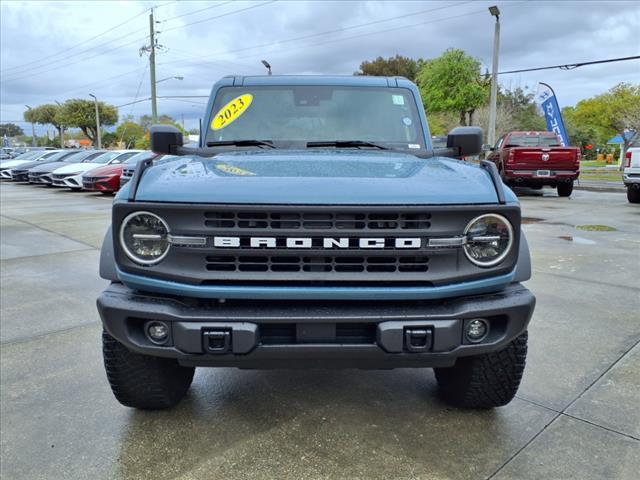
[(523, 267), (107, 258)]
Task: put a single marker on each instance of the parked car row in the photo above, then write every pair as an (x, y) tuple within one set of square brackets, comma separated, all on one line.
[(92, 170)]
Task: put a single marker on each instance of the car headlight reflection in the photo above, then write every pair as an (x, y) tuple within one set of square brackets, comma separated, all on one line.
[(489, 239), (144, 237)]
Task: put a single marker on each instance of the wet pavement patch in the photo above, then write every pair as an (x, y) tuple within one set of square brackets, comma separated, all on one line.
[(529, 220), (578, 240), (596, 228)]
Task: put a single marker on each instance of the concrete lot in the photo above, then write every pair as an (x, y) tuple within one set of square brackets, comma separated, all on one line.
[(576, 415)]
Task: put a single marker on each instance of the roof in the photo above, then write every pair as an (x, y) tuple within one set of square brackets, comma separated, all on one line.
[(544, 134), (617, 140), (339, 80)]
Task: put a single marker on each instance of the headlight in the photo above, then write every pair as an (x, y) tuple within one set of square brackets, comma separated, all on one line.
[(144, 237), (488, 239)]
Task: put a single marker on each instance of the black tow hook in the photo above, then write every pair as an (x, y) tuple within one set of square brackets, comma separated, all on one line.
[(216, 341), (417, 339)]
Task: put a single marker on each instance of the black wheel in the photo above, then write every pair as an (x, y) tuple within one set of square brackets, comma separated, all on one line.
[(141, 381), (565, 189), (484, 381), (633, 195)]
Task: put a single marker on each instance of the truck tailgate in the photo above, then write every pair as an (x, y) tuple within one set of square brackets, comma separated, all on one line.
[(533, 158)]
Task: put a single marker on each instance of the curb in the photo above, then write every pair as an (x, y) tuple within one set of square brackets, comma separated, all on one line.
[(601, 188)]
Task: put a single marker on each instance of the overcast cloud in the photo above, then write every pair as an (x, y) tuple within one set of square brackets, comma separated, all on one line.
[(48, 53)]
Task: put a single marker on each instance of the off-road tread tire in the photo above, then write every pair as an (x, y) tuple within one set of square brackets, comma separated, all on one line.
[(565, 189), (633, 195), (485, 381), (142, 381)]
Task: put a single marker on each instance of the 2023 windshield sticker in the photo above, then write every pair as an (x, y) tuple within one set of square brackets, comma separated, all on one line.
[(231, 111)]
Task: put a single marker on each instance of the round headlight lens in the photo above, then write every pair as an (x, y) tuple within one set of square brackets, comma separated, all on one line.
[(488, 239), (144, 237)]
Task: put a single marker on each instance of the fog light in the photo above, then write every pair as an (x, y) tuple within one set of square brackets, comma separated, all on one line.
[(476, 330), (158, 332)]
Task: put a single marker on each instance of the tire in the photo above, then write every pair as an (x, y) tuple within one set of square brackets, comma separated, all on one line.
[(633, 195), (141, 381), (565, 189), (484, 381)]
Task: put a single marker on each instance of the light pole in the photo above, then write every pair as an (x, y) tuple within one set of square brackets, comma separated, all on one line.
[(33, 130), (95, 99), (61, 130), (491, 135), (177, 77), (266, 64)]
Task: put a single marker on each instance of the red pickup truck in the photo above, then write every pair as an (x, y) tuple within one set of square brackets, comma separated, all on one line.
[(536, 159)]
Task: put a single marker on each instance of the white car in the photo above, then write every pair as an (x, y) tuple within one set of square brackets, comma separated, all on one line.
[(71, 175), (631, 174), (7, 166)]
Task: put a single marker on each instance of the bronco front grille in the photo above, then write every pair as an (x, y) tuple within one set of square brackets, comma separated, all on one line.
[(318, 264), (317, 220), (314, 245)]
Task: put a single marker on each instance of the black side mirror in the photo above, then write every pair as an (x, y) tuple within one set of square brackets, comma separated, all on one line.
[(165, 139), (466, 140)]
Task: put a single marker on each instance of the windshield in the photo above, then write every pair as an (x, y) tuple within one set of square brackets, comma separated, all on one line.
[(57, 156), (300, 114), (140, 156), (533, 141), (72, 157), (109, 157), (27, 156)]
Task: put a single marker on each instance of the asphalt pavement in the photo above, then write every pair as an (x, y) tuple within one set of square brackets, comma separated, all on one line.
[(575, 416)]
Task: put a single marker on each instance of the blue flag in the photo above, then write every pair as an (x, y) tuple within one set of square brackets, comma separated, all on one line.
[(546, 98)]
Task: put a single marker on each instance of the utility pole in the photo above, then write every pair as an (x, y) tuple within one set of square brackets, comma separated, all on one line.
[(33, 130), (95, 99), (152, 69), (61, 129), (491, 135)]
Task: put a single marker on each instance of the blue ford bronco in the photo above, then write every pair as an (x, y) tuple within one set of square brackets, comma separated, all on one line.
[(315, 226)]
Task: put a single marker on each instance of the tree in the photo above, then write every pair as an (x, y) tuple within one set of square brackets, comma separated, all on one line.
[(10, 130), (392, 66), (146, 122), (81, 114), (44, 115), (129, 132), (452, 82), (580, 134), (615, 112)]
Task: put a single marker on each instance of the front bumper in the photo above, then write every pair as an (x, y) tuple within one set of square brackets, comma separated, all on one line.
[(344, 334), (74, 181), (21, 175), (40, 178), (101, 184)]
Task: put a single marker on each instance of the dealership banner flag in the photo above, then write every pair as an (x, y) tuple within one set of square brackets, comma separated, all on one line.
[(546, 98)]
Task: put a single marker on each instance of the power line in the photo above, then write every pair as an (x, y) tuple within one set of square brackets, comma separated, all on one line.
[(571, 66), (219, 16), (198, 11), (84, 42), (326, 32), (100, 82), (23, 75)]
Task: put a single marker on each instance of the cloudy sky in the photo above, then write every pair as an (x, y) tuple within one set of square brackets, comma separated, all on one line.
[(53, 51)]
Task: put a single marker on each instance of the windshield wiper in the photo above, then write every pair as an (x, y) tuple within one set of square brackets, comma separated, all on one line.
[(346, 144), (242, 143)]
